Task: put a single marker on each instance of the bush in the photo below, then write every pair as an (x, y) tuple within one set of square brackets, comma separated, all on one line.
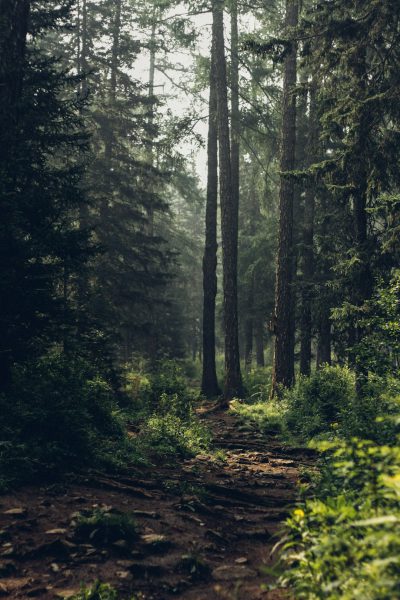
[(102, 527), (257, 383), (268, 416), (160, 390), (318, 402), (345, 544), (58, 414), (168, 434), (99, 591), (374, 415)]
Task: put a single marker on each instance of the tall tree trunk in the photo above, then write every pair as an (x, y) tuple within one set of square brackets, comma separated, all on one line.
[(362, 278), (152, 72), (259, 340), (229, 217), (308, 244), (249, 327), (324, 338), (209, 384), (14, 19), (82, 69), (112, 94), (235, 117), (283, 374)]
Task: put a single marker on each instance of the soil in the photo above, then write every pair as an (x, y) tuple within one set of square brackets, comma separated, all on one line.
[(205, 527)]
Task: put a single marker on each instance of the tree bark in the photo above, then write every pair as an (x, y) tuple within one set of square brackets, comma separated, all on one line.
[(259, 340), (283, 373), (249, 327), (235, 117), (324, 339), (229, 218), (14, 19), (308, 244), (209, 383), (82, 69)]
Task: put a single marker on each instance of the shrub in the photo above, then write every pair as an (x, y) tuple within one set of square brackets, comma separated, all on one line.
[(257, 383), (345, 544), (160, 390), (57, 414), (168, 434), (102, 527), (99, 591), (317, 402), (374, 415), (268, 416)]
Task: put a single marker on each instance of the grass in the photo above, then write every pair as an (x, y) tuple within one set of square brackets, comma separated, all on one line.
[(268, 416)]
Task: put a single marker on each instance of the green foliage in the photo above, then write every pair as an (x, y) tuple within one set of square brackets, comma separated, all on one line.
[(374, 415), (164, 436), (318, 402), (164, 413), (58, 414), (102, 526), (99, 591), (257, 383), (268, 416), (344, 544), (161, 390)]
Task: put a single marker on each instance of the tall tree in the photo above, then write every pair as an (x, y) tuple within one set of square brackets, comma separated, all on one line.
[(307, 253), (229, 216), (283, 373), (209, 384)]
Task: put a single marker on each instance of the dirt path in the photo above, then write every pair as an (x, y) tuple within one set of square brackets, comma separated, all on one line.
[(206, 527)]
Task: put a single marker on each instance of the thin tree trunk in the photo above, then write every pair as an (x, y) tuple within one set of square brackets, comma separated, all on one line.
[(249, 327), (82, 68), (152, 72), (229, 218), (209, 384), (14, 19), (235, 118), (362, 280), (259, 340), (283, 374), (112, 94), (308, 245), (324, 339)]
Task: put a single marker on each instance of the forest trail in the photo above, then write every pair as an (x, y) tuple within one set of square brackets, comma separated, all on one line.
[(205, 527)]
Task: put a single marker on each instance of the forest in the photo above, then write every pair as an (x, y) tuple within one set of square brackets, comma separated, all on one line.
[(200, 299)]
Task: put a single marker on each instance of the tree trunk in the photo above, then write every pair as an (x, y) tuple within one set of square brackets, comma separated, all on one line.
[(82, 69), (324, 339), (14, 19), (249, 327), (308, 245), (362, 278), (235, 118), (209, 384), (283, 374), (229, 218), (259, 339)]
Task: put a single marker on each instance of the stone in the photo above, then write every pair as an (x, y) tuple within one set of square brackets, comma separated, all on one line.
[(16, 512)]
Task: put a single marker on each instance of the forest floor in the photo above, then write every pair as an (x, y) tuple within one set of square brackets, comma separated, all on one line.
[(205, 526)]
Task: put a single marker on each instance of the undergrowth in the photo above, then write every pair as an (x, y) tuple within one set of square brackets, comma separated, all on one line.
[(60, 416)]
